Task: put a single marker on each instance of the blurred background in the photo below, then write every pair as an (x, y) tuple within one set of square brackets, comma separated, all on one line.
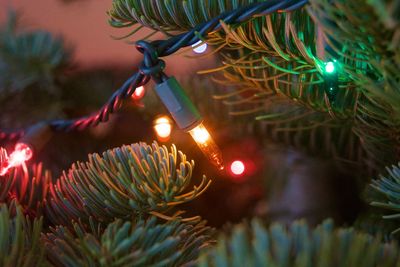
[(83, 24), (87, 63)]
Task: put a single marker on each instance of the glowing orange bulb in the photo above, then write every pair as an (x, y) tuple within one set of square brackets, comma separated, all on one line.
[(237, 167), (163, 128), (200, 134), (207, 145), (139, 93), (21, 154)]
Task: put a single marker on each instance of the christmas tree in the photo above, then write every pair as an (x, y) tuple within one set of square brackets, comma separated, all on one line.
[(297, 122)]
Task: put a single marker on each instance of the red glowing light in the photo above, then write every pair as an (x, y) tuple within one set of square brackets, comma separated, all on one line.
[(237, 167), (21, 154), (139, 93)]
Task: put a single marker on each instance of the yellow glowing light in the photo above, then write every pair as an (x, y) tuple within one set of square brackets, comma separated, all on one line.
[(207, 145), (200, 134), (163, 127)]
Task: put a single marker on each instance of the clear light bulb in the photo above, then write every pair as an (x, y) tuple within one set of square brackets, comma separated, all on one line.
[(207, 145)]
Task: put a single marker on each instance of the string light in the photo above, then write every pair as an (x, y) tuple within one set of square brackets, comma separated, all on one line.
[(22, 153), (199, 47), (163, 128), (139, 93), (34, 139), (188, 119), (183, 111), (331, 80), (207, 145), (330, 67)]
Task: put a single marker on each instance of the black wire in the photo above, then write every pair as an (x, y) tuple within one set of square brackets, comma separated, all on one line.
[(152, 66)]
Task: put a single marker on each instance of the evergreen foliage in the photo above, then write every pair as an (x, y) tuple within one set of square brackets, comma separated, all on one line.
[(124, 182), (282, 56), (32, 64), (126, 243), (299, 245), (388, 187), (30, 188), (168, 16), (118, 208), (19, 238), (29, 58)]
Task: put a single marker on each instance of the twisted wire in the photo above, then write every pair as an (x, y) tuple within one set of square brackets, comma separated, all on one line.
[(283, 54), (152, 67)]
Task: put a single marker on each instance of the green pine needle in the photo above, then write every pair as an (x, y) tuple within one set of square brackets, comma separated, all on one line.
[(299, 246), (20, 244), (123, 183), (142, 243), (29, 58), (169, 15), (389, 198)]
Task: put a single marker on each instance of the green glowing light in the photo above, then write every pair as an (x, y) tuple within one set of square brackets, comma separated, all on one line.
[(330, 67)]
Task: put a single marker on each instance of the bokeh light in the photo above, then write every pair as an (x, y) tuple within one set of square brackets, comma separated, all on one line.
[(163, 128), (238, 167)]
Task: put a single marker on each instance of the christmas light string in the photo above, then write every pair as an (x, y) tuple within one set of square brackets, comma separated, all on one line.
[(171, 94)]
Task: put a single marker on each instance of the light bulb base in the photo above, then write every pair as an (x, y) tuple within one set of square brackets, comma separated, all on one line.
[(182, 110), (331, 80), (188, 118)]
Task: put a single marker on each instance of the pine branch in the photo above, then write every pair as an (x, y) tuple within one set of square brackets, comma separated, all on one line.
[(19, 238), (316, 134), (373, 52), (298, 245), (168, 16), (30, 188), (388, 188), (274, 75), (388, 12), (32, 64), (29, 58), (125, 182), (141, 243)]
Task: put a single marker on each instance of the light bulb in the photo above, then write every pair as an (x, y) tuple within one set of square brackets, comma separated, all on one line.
[(188, 118), (207, 145), (163, 128), (237, 167), (139, 93), (21, 154), (330, 67), (199, 47)]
